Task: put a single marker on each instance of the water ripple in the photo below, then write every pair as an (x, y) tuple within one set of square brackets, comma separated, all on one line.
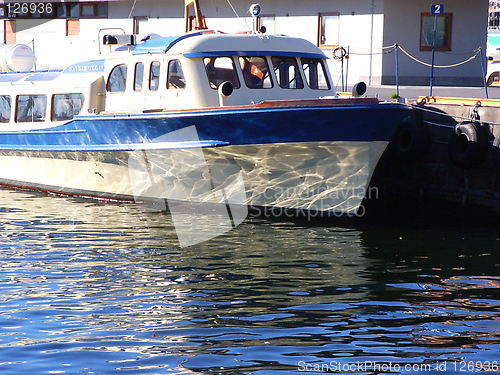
[(102, 289)]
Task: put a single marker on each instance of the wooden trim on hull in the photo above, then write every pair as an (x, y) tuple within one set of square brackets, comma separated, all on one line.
[(75, 194), (268, 104)]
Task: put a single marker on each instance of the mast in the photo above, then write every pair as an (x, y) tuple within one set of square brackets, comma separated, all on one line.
[(200, 21)]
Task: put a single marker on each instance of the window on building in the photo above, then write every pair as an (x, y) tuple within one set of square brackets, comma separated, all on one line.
[(175, 78), (256, 72), (328, 29), (117, 81), (138, 76), (443, 32), (62, 11), (72, 27), (154, 76), (74, 10), (219, 70), (140, 24), (315, 73), (66, 106), (102, 10), (494, 20), (5, 108), (287, 72), (31, 108), (88, 10), (268, 21)]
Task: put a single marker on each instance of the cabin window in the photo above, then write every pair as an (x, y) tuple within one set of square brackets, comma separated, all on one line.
[(154, 76), (287, 73), (138, 76), (315, 73), (66, 106), (219, 70), (256, 72), (175, 78), (31, 108), (5, 108), (117, 81)]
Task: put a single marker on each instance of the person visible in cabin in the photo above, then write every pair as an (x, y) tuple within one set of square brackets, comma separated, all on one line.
[(254, 72)]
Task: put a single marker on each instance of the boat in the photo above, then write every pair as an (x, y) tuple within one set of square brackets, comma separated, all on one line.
[(245, 119)]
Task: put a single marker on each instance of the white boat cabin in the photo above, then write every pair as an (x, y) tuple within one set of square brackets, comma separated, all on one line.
[(198, 70)]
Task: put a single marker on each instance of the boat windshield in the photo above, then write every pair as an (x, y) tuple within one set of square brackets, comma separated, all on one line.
[(316, 77), (287, 72), (219, 70), (256, 72)]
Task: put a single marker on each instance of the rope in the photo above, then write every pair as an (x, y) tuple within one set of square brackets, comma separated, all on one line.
[(231, 5), (390, 49), (392, 46), (448, 115), (439, 66), (132, 9), (383, 51), (373, 53)]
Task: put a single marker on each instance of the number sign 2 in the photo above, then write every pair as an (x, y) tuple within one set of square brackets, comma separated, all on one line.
[(437, 9)]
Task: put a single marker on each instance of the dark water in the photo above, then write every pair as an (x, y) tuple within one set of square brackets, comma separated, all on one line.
[(91, 288)]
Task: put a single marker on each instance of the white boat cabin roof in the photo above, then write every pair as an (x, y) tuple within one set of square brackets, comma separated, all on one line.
[(205, 44), (185, 72)]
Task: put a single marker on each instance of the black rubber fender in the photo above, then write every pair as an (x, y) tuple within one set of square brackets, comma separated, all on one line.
[(468, 145), (496, 152), (411, 141)]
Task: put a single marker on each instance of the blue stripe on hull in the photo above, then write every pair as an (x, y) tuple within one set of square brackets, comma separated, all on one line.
[(364, 123)]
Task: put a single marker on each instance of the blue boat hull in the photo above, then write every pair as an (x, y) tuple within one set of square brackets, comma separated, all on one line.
[(313, 158)]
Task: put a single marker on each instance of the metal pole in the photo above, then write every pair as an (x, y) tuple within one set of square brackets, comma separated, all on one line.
[(347, 67), (433, 53), (342, 67), (33, 44), (397, 69), (483, 69)]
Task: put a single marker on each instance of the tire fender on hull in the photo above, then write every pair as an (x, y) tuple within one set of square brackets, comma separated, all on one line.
[(468, 145), (496, 152), (411, 141)]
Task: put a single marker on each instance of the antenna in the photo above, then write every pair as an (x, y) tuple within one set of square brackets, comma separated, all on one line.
[(200, 21)]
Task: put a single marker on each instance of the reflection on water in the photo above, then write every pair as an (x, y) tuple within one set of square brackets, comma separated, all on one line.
[(99, 288)]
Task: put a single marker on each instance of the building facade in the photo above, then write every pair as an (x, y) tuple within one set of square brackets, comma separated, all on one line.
[(365, 29)]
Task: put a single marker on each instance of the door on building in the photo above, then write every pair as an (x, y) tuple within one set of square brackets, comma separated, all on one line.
[(9, 32)]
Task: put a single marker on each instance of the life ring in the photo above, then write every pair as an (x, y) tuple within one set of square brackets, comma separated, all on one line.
[(496, 151), (468, 145), (339, 53), (411, 141)]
